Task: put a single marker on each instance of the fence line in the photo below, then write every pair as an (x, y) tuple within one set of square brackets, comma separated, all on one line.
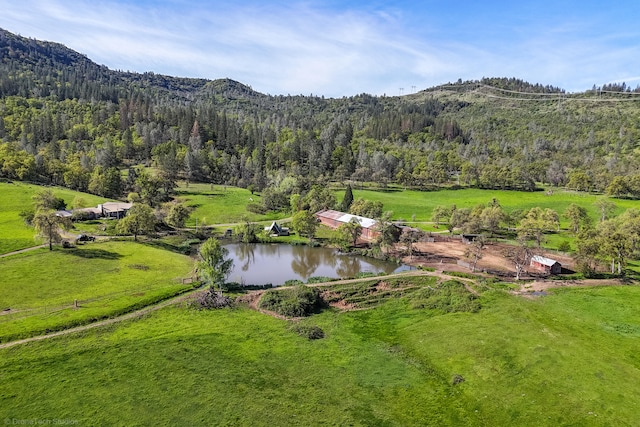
[(9, 315)]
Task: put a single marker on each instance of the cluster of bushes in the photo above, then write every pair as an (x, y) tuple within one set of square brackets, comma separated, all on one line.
[(448, 297), (240, 288), (321, 279), (298, 301)]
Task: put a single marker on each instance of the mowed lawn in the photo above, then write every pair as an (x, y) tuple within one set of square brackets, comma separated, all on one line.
[(569, 358), (39, 287), (17, 197)]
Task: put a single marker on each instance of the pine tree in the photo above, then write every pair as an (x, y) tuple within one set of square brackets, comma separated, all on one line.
[(347, 199)]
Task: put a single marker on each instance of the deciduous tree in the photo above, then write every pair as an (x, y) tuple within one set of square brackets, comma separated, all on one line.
[(349, 232), (48, 225), (305, 223), (214, 264), (577, 216), (139, 220)]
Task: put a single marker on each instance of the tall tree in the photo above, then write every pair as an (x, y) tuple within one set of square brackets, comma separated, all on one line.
[(349, 232), (388, 233), (577, 216), (520, 256), (474, 251), (139, 220), (366, 208), (305, 223), (438, 213), (536, 222), (606, 208), (491, 218), (410, 236), (46, 200), (347, 200), (213, 264), (48, 225)]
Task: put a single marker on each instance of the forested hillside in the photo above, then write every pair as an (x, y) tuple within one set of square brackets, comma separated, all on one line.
[(65, 120)]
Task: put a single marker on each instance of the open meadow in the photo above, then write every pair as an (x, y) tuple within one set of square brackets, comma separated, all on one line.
[(38, 288), (17, 197), (416, 206), (568, 358), (406, 203), (220, 204)]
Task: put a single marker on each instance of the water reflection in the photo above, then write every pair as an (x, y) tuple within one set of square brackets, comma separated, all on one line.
[(259, 264)]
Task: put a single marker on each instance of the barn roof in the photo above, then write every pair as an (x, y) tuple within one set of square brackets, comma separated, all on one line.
[(116, 206), (544, 260), (345, 217)]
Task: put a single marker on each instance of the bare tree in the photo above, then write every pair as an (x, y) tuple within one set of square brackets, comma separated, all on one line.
[(520, 255), (474, 251)]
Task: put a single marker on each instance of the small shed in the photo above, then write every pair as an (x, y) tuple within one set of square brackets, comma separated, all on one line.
[(545, 264), (470, 238), (276, 230)]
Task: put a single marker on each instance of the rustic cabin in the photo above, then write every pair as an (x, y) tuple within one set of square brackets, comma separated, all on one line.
[(276, 230)]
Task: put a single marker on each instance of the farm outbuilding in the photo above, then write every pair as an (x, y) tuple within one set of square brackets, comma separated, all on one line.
[(545, 264), (334, 219), (114, 209), (276, 230)]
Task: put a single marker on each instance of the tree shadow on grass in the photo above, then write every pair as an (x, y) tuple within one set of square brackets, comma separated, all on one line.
[(93, 253)]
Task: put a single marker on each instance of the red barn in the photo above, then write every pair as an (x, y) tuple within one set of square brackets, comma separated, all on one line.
[(334, 219), (547, 265)]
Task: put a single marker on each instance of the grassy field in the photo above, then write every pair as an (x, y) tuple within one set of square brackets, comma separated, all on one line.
[(405, 204), (106, 278), (565, 359), (218, 204), (16, 197)]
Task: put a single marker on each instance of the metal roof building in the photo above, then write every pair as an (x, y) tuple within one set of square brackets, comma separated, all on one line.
[(334, 219)]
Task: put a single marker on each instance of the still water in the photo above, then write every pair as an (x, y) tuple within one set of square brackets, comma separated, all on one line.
[(259, 264)]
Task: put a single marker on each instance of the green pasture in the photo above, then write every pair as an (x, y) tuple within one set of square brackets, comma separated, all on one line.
[(406, 203), (17, 197), (39, 287), (568, 358), (220, 204)]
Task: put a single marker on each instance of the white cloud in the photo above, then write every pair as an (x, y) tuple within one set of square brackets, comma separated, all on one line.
[(305, 48)]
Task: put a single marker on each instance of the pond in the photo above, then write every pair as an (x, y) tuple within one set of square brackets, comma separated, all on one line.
[(260, 264)]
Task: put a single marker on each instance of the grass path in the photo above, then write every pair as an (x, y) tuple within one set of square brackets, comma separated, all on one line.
[(23, 250)]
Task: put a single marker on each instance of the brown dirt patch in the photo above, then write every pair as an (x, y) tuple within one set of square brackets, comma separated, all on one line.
[(527, 288), (445, 255)]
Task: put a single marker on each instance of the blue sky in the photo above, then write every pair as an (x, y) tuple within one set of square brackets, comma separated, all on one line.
[(341, 48)]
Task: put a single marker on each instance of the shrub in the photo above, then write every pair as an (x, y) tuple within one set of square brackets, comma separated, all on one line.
[(457, 379), (321, 279), (210, 299), (292, 302), (311, 332)]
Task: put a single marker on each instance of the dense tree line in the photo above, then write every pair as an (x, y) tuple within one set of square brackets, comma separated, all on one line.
[(65, 120)]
